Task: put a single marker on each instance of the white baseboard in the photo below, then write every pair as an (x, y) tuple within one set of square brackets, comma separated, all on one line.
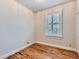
[(15, 51), (58, 46)]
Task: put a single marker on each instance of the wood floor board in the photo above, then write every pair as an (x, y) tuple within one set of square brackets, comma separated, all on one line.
[(40, 51)]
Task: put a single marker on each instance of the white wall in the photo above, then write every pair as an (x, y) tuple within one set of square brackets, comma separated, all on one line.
[(77, 28), (77, 25), (68, 39), (16, 26)]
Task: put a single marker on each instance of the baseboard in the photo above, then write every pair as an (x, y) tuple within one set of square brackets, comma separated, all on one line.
[(15, 51), (58, 46)]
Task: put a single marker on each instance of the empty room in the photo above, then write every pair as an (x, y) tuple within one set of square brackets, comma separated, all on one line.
[(39, 29)]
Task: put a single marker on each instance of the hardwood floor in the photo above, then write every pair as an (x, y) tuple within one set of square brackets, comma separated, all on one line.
[(39, 51)]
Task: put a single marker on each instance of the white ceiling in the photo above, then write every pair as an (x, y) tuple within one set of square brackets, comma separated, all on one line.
[(35, 6)]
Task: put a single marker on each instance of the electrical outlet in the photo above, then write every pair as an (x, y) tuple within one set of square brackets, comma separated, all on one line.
[(28, 42), (70, 45)]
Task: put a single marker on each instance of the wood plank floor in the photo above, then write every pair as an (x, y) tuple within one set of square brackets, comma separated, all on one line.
[(39, 51)]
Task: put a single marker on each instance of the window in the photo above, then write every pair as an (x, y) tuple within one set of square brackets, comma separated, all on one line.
[(54, 24)]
